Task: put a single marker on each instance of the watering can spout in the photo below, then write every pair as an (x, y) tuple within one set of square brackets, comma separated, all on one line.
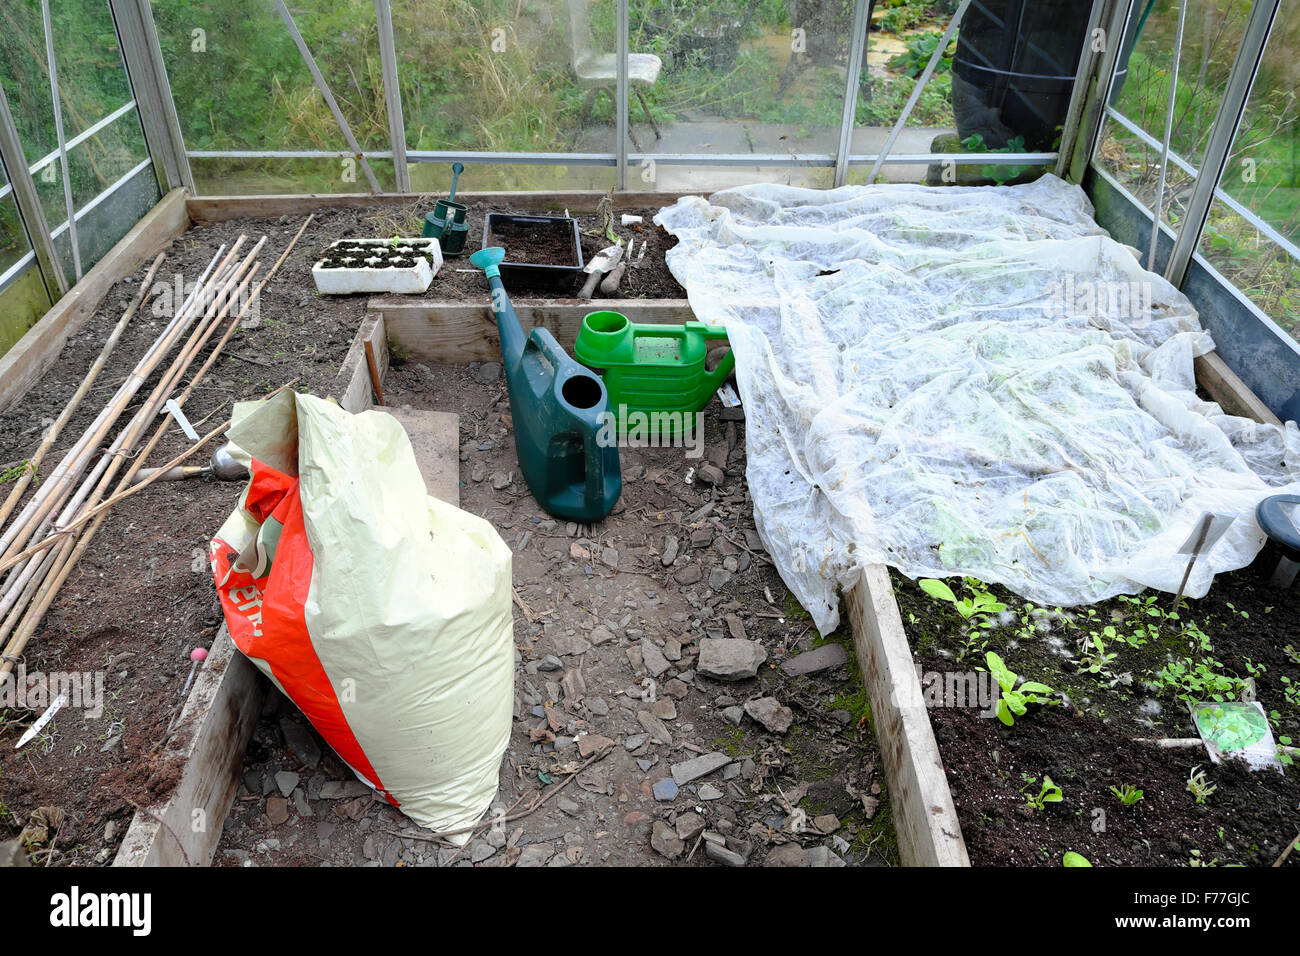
[(508, 327)]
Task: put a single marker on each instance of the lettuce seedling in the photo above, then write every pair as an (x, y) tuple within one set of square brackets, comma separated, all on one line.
[(1015, 700)]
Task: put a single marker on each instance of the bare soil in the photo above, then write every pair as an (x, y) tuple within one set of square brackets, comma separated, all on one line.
[(527, 241), (593, 594), (1087, 742)]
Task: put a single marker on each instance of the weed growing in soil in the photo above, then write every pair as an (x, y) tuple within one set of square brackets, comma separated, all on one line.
[(14, 472), (1198, 786), (1127, 794), (1048, 792)]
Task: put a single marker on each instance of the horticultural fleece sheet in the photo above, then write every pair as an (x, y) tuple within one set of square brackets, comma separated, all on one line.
[(973, 381)]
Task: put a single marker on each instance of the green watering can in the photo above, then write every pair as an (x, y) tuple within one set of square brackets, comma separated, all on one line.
[(569, 459), (655, 371), (447, 221)]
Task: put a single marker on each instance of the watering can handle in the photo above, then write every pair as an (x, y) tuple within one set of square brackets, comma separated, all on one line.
[(719, 374), (595, 462)]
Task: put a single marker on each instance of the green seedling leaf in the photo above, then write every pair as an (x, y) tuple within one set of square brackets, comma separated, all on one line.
[(937, 589)]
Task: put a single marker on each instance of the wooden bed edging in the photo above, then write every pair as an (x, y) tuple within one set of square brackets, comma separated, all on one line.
[(925, 819), (214, 727), (38, 349), (352, 387), (455, 333)]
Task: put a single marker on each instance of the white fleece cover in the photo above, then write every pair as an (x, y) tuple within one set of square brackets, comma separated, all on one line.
[(968, 380)]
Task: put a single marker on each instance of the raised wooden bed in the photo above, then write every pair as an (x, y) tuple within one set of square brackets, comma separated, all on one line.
[(226, 699)]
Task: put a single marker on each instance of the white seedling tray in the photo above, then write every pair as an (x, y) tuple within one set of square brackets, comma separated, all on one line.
[(367, 276)]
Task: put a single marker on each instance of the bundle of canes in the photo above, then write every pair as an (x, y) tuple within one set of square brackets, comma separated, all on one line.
[(54, 567), (35, 520)]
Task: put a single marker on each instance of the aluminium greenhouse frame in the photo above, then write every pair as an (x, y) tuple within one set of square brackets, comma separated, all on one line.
[(1265, 356)]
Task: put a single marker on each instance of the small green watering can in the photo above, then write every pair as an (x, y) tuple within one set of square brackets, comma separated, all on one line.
[(447, 221), (560, 411), (654, 371)]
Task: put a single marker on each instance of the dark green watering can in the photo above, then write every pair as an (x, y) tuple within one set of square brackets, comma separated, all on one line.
[(447, 221), (567, 452)]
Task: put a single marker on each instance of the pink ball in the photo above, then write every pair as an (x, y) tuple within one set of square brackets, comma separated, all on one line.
[(198, 654)]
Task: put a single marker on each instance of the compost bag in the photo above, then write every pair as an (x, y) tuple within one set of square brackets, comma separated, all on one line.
[(969, 381), (382, 613)]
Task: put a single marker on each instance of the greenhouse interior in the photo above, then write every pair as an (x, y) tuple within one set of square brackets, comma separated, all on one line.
[(895, 468)]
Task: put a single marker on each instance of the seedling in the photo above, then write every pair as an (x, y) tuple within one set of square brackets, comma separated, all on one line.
[(1199, 786), (1015, 700), (1074, 859), (1291, 654), (1048, 793), (1096, 660), (1127, 794), (980, 602)]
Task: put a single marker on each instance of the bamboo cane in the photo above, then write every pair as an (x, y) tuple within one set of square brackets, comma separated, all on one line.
[(76, 458), (72, 547), (11, 560), (17, 590), (66, 556), (152, 358), (153, 405), (217, 349), (52, 433)]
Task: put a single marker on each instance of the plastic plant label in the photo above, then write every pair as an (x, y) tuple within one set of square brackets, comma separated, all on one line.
[(1214, 525), (729, 397), (1236, 729)]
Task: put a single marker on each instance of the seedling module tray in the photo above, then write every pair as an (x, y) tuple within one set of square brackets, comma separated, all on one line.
[(350, 266), (521, 236)]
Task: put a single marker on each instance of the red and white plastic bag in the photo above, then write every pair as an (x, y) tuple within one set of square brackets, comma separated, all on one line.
[(384, 614)]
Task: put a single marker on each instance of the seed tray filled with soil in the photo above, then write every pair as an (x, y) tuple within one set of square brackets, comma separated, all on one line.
[(350, 266), (542, 252)]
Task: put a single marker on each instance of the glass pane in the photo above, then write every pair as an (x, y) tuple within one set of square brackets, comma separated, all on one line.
[(92, 78), (492, 177), (737, 77), (1131, 153), (1002, 85), (22, 302), (239, 83), (13, 238), (101, 224), (1263, 176), (23, 298), (503, 76), (223, 176)]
